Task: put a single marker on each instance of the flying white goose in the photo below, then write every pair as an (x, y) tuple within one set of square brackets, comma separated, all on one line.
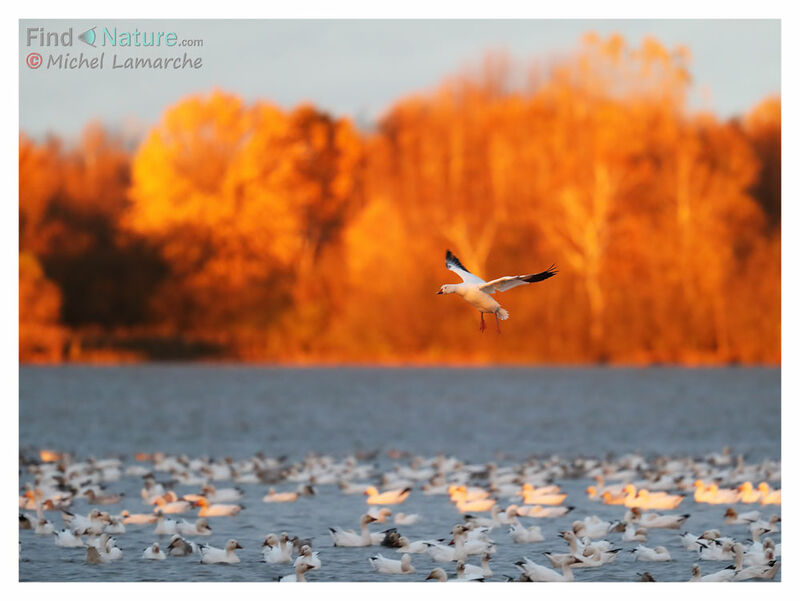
[(477, 292)]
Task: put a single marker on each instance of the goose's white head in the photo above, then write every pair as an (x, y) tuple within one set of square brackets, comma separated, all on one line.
[(447, 289), (232, 545)]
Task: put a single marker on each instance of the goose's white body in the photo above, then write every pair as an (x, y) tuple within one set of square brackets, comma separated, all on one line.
[(401, 519), (308, 557), (384, 565), (280, 551), (198, 528), (643, 553), (44, 526), (540, 573), (389, 497), (166, 526), (477, 292), (417, 546), (634, 534), (654, 520), (766, 572), (724, 575), (521, 534), (348, 538), (215, 555), (154, 552), (68, 538)]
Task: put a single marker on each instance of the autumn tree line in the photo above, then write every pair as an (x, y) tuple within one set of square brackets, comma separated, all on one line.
[(250, 232)]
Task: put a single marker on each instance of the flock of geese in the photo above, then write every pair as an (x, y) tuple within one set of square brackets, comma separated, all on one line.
[(486, 499)]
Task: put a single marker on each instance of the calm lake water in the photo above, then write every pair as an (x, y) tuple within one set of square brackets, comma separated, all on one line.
[(478, 415)]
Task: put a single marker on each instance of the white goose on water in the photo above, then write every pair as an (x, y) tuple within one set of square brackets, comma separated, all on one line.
[(723, 575), (277, 550), (540, 573), (166, 526), (462, 573), (308, 557), (215, 555), (477, 292), (475, 572), (417, 546), (198, 528), (68, 538), (437, 574), (521, 534), (643, 553), (401, 519), (299, 574), (384, 565), (634, 534), (348, 538), (180, 547), (154, 552), (389, 497), (44, 526)]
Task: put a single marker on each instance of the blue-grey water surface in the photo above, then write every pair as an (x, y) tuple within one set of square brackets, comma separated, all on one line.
[(478, 415)]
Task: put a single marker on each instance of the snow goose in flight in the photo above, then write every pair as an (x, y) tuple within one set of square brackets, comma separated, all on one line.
[(477, 292)]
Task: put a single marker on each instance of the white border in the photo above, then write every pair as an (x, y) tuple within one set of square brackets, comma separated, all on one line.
[(372, 9)]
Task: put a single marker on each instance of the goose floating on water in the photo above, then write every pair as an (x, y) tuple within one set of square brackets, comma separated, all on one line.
[(154, 552), (384, 565), (389, 497), (214, 555), (348, 538)]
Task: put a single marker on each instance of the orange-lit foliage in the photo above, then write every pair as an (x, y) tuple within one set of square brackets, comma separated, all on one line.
[(248, 204), (71, 202), (290, 236), (41, 338), (763, 127)]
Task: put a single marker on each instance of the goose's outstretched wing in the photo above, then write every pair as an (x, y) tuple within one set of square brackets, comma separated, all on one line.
[(511, 281), (453, 264)]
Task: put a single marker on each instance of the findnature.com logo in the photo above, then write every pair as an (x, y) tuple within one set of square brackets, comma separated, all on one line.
[(110, 37)]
